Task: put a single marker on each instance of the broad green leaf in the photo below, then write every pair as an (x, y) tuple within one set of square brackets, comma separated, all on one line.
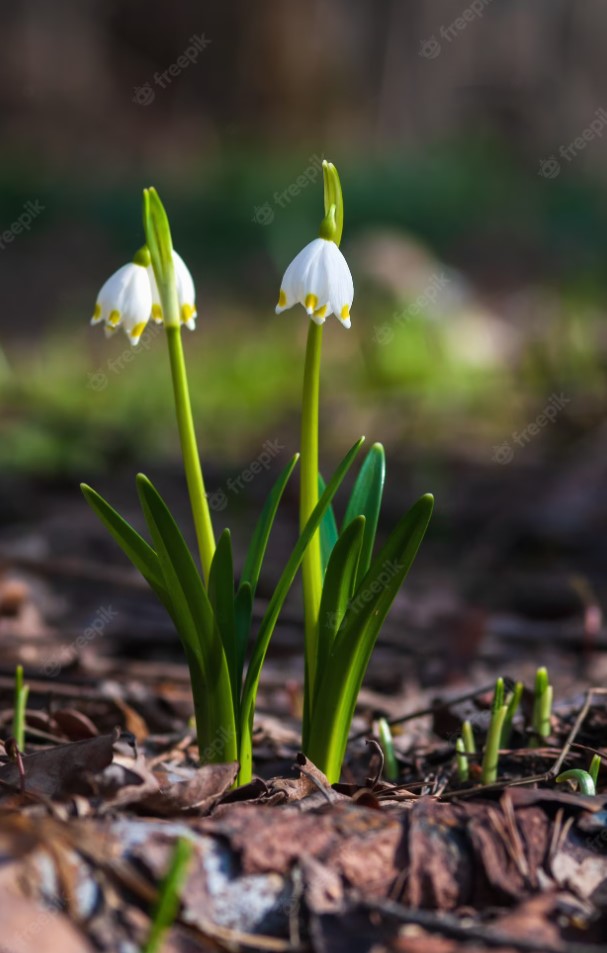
[(243, 608), (132, 544), (365, 500), (338, 587), (259, 540), (338, 686), (328, 530), (194, 618), (221, 597), (273, 610)]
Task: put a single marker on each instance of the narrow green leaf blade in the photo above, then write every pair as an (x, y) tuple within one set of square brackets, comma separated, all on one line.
[(273, 610), (193, 615), (132, 544), (259, 540), (328, 529), (243, 609), (221, 597), (365, 500), (339, 685), (338, 587)]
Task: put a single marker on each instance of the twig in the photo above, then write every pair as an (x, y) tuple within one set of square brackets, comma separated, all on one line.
[(421, 712), (449, 925)]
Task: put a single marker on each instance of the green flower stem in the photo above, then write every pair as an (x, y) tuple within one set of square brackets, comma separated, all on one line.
[(189, 449), (312, 564)]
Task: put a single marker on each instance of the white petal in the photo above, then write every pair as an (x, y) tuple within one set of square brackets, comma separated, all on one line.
[(341, 291), (156, 306), (293, 286), (126, 299), (109, 297), (186, 293)]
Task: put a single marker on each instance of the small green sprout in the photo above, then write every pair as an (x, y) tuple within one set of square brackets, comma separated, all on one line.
[(542, 707), (468, 738), (593, 770), (169, 895), (513, 702), (387, 746), (492, 745), (582, 778), (463, 766), (21, 696)]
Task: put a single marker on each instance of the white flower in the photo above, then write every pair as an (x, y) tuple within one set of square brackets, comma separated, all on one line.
[(320, 280), (125, 300), (186, 294)]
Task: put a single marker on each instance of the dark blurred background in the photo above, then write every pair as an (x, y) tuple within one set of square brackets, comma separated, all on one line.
[(471, 138)]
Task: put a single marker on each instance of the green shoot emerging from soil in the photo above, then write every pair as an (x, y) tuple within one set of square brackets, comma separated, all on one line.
[(169, 894), (542, 708), (492, 745), (21, 695)]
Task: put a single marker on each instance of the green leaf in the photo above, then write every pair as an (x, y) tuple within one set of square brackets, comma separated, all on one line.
[(195, 621), (243, 608), (338, 586), (582, 778), (169, 895), (273, 610), (132, 544), (365, 500), (338, 686), (221, 597), (259, 540), (328, 530)]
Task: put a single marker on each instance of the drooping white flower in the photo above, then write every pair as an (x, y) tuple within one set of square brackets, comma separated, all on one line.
[(125, 300), (186, 294), (320, 280)]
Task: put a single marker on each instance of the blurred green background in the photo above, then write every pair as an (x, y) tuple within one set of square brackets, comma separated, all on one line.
[(470, 141)]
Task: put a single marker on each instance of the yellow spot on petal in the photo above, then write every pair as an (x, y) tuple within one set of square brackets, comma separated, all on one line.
[(187, 312), (157, 313), (310, 303), (282, 299), (97, 312), (114, 319), (345, 312), (138, 330), (320, 312)]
